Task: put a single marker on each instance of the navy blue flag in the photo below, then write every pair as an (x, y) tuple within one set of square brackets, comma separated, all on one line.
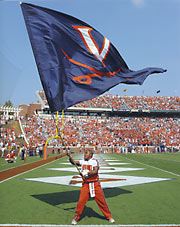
[(75, 62)]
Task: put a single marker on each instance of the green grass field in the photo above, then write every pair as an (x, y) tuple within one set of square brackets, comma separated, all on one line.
[(27, 202), (4, 165)]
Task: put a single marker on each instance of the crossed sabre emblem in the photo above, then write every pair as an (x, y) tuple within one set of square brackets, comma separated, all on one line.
[(86, 36)]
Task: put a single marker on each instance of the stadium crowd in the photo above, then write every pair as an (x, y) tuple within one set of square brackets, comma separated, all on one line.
[(118, 102), (116, 133), (99, 132), (152, 103), (8, 141)]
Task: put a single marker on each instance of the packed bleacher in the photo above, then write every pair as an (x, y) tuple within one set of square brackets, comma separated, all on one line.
[(102, 132), (8, 141), (124, 102), (152, 103)]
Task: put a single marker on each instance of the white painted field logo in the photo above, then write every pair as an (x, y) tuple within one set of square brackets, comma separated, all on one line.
[(107, 179)]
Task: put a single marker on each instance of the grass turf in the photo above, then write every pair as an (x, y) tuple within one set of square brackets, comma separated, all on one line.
[(4, 165), (26, 202)]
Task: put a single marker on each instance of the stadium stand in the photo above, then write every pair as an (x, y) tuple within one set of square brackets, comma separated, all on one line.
[(102, 132), (8, 141), (152, 103), (118, 102), (106, 123)]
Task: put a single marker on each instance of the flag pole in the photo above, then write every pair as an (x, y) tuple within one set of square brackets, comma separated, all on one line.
[(62, 123), (63, 143), (56, 123)]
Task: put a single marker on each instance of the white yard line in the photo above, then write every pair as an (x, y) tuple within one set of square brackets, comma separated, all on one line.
[(154, 167)]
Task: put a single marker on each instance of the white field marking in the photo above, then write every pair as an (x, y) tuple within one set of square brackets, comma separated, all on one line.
[(139, 225), (103, 170), (118, 163), (127, 180), (65, 163), (102, 161), (154, 167), (25, 172), (110, 164), (108, 180)]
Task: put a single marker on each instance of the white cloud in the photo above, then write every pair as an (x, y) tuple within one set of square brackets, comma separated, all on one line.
[(138, 3)]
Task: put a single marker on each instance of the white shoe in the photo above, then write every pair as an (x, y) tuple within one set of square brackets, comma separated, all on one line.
[(74, 222), (111, 220)]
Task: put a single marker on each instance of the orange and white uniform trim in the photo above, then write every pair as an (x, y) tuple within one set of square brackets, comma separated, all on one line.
[(91, 187), (87, 166)]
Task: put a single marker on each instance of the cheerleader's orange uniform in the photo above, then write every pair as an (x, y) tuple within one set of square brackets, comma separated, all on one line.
[(91, 187)]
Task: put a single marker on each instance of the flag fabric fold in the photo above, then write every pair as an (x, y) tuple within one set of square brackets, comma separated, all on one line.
[(75, 61)]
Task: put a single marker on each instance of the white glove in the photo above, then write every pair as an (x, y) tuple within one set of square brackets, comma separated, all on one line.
[(85, 173)]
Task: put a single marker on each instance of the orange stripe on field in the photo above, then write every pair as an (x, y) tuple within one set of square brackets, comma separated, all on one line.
[(5, 174)]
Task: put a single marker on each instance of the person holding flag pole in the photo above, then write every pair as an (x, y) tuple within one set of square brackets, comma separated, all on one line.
[(90, 187)]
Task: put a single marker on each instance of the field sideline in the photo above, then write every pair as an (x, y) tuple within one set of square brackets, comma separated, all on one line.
[(34, 203), (18, 168)]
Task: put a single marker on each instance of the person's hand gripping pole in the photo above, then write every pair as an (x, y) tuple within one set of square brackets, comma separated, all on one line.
[(76, 163)]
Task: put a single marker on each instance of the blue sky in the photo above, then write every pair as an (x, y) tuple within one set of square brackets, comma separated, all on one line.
[(145, 32)]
